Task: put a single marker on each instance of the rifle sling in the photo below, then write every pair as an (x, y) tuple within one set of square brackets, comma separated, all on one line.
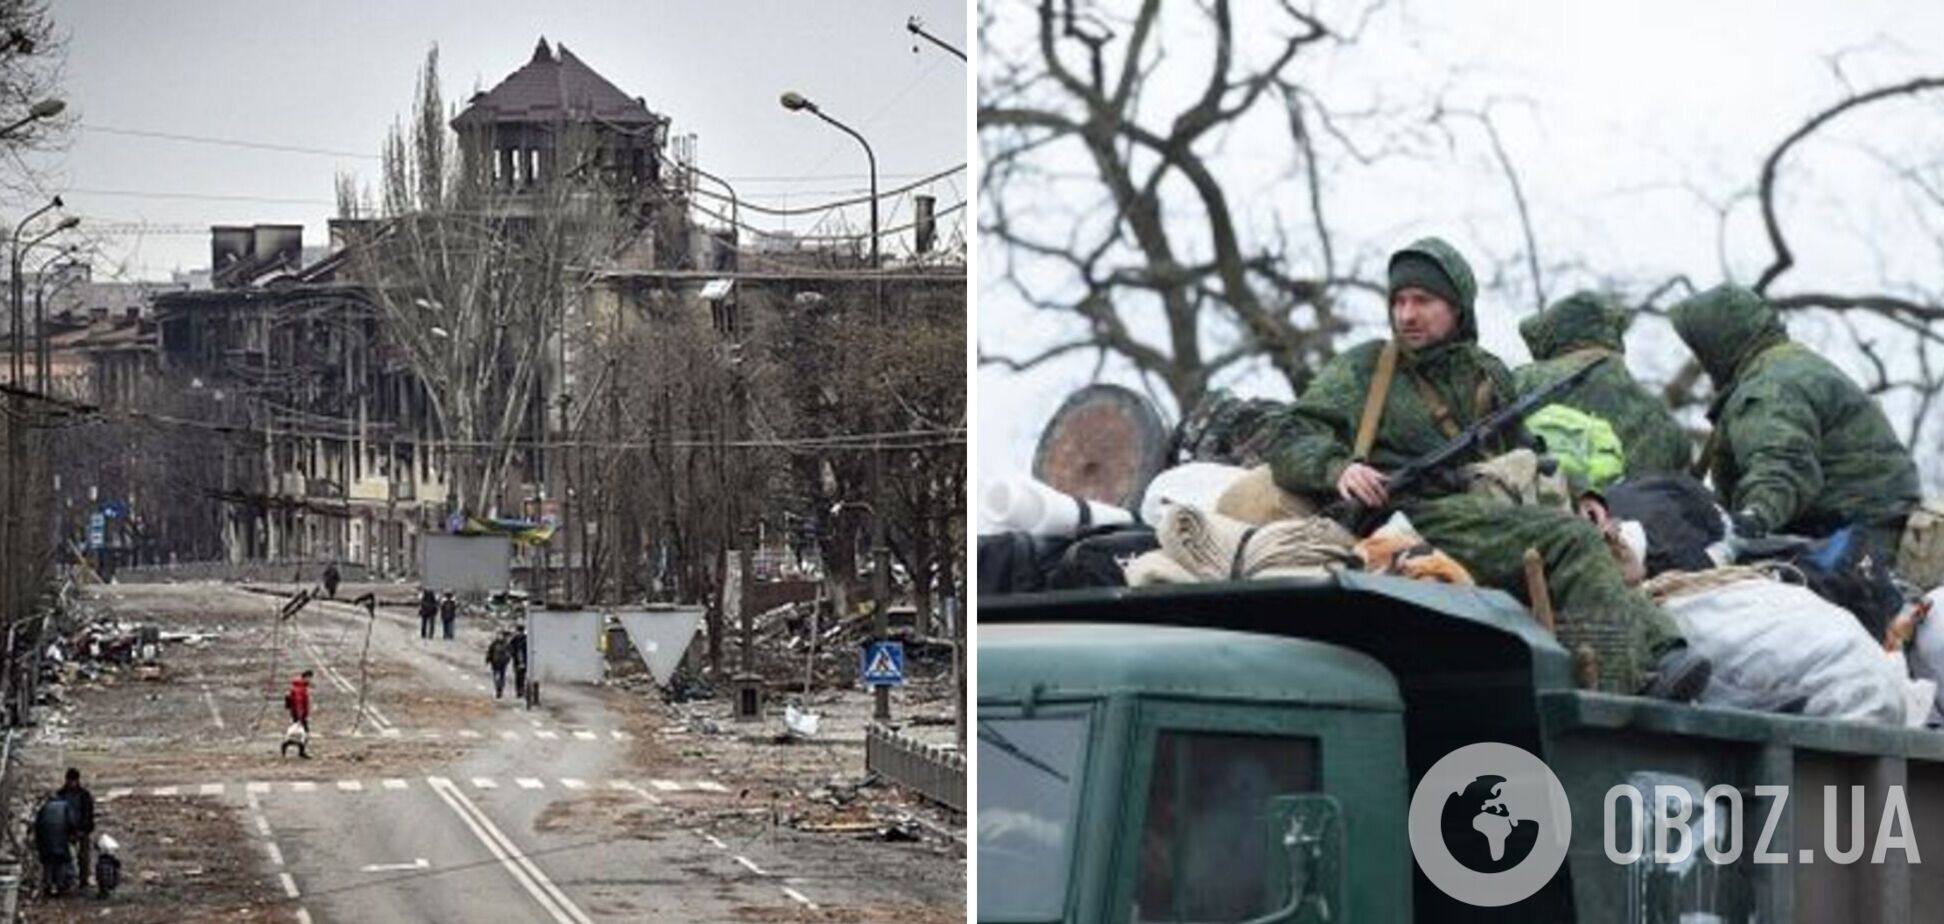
[(1373, 410)]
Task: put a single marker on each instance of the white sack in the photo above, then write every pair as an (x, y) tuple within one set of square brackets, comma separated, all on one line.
[(1782, 638), (1196, 484)]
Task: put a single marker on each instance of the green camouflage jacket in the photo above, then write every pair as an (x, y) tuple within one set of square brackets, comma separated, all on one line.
[(1578, 330), (1796, 442), (1320, 430)]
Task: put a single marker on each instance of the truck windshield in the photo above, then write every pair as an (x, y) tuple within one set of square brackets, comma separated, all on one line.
[(1029, 775)]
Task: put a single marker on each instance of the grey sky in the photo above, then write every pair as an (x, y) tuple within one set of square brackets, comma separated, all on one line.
[(1624, 120), (334, 76)]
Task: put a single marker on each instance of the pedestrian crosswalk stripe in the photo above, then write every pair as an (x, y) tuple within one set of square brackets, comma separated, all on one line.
[(510, 735), (165, 790), (350, 786), (468, 733), (573, 784), (388, 732), (118, 793), (303, 786), (620, 784), (480, 782), (666, 785), (584, 735), (527, 782), (212, 789), (620, 735), (256, 788), (547, 735), (431, 733), (394, 784), (711, 786)]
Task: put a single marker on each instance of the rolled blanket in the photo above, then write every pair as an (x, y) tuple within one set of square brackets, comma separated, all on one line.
[(1213, 547)]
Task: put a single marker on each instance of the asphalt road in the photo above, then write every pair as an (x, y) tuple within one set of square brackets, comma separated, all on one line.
[(545, 815)]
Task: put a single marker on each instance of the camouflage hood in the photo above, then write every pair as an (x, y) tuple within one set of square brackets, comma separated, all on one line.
[(1583, 319), (1448, 259), (1726, 327)]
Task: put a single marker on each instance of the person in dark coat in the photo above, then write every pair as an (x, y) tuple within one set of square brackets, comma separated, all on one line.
[(428, 611), (82, 834), (498, 655), (331, 580), (54, 825), (517, 649), (448, 612)]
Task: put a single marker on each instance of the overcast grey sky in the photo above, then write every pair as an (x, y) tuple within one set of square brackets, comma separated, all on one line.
[(334, 76), (1625, 120)]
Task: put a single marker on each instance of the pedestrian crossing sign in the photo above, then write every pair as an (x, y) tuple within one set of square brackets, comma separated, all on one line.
[(883, 664)]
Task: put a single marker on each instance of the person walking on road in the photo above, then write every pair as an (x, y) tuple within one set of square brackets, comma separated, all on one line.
[(448, 611), (54, 825), (331, 580), (298, 702), (498, 655), (517, 649), (428, 611), (82, 834)]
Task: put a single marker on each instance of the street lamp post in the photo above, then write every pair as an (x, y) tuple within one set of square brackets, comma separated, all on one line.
[(880, 594), (45, 109), (15, 369), (880, 587), (41, 296)]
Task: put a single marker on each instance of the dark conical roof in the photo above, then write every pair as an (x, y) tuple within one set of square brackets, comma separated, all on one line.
[(552, 88)]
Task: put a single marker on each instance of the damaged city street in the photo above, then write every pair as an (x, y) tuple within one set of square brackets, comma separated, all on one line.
[(442, 800)]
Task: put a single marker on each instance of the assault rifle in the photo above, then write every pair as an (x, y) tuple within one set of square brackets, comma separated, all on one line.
[(1438, 463)]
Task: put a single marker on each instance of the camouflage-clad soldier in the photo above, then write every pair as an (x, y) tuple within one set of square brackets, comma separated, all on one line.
[(1444, 381), (1797, 446), (1581, 329)]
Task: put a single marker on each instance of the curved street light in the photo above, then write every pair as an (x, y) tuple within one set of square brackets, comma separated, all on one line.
[(45, 109), (15, 367)]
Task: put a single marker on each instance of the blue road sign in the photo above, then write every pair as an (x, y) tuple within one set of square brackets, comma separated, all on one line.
[(98, 529), (883, 664)]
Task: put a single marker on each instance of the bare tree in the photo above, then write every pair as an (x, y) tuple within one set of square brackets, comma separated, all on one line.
[(473, 281), (1084, 84)]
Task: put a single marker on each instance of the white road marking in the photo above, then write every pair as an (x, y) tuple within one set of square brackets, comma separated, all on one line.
[(303, 786), (630, 787), (666, 785), (537, 723), (394, 784), (262, 823), (388, 732), (620, 735), (165, 790), (289, 884), (799, 897), (276, 855), (480, 782), (527, 782), (584, 735), (546, 735), (716, 841), (214, 715), (419, 863), (510, 735), (256, 787), (468, 733), (350, 786), (710, 786), (303, 915), (212, 789), (558, 906), (430, 733), (573, 784), (118, 793), (752, 867)]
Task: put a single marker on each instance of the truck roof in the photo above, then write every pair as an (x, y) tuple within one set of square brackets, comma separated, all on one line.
[(1083, 660)]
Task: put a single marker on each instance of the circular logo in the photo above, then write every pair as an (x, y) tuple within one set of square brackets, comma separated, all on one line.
[(1490, 824)]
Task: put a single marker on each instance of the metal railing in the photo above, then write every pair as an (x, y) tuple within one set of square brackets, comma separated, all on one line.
[(933, 772)]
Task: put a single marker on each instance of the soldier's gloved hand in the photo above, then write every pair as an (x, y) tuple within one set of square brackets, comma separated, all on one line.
[(1363, 484), (1748, 524)]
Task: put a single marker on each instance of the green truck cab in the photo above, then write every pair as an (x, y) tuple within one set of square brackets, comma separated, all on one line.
[(1247, 752)]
